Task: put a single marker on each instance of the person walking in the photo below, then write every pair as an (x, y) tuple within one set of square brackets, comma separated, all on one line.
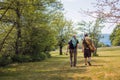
[(86, 49), (72, 46)]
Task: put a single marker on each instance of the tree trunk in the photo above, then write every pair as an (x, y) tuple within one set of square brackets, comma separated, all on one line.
[(18, 28), (95, 53), (60, 50)]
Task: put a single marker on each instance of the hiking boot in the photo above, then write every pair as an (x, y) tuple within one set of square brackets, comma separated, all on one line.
[(74, 65), (89, 63)]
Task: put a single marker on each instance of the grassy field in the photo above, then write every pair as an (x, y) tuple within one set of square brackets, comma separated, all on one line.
[(104, 67)]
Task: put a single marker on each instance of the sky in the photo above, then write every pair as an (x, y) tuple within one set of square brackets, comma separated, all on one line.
[(72, 12)]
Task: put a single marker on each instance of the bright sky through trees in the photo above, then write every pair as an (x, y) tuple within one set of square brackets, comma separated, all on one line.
[(72, 11)]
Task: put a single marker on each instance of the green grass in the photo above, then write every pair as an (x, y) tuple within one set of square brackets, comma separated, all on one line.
[(104, 67)]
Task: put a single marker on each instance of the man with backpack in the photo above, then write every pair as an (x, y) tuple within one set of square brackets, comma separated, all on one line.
[(72, 46), (87, 48)]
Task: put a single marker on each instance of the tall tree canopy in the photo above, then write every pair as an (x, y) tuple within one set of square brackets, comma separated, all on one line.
[(115, 36), (26, 26), (63, 28)]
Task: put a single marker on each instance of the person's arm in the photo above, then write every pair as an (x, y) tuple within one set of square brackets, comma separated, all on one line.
[(77, 44), (67, 49), (93, 46), (82, 48)]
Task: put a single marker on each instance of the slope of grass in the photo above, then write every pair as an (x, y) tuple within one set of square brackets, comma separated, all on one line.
[(104, 67)]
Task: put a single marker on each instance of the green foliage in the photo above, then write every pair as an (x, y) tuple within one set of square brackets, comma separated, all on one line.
[(101, 44), (115, 36), (93, 29), (21, 58), (48, 54), (39, 57), (33, 31), (95, 54), (5, 60), (28, 58), (63, 29)]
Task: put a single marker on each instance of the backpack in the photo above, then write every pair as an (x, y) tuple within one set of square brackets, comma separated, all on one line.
[(71, 45), (92, 49)]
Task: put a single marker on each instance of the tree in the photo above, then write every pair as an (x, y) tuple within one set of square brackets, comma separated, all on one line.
[(63, 30), (96, 34), (107, 9), (26, 26), (115, 36), (94, 29)]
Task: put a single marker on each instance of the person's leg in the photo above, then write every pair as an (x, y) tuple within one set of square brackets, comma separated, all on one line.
[(75, 57), (85, 61), (71, 55), (89, 58), (85, 56)]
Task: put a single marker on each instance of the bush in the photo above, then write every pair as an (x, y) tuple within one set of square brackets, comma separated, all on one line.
[(28, 58), (48, 54), (95, 54), (5, 60), (39, 57), (21, 58)]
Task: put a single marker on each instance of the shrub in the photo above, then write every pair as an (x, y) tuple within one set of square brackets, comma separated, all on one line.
[(21, 58), (43, 56), (39, 57), (5, 60), (48, 54)]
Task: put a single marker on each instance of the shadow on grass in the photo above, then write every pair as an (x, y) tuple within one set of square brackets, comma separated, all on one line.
[(56, 58), (109, 56), (64, 71), (56, 78), (69, 78), (8, 74), (92, 60), (55, 68), (91, 65), (99, 60), (59, 74), (62, 74), (96, 65)]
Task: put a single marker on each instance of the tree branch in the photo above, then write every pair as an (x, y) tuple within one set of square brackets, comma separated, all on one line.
[(5, 11), (6, 37)]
